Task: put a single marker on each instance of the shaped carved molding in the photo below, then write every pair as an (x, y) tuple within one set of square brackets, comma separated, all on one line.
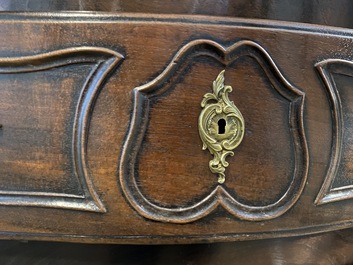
[(330, 192), (103, 62), (220, 195)]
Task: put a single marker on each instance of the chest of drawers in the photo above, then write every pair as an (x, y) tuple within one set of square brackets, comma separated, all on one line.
[(103, 126)]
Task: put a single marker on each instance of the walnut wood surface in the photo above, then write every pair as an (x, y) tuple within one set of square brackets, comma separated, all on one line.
[(24, 40), (333, 248), (332, 13), (99, 119), (290, 164), (87, 74)]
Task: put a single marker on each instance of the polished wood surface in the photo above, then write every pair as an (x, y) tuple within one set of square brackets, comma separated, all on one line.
[(102, 128), (333, 248), (316, 61), (331, 13)]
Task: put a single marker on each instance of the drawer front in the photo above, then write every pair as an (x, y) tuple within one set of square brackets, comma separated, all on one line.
[(111, 128)]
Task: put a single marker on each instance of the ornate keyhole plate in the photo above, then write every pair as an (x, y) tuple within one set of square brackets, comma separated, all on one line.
[(221, 126)]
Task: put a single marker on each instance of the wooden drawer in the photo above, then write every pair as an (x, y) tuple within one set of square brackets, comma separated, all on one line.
[(100, 128)]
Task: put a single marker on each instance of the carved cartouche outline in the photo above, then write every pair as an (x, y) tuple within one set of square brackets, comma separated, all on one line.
[(103, 61), (219, 196), (327, 194)]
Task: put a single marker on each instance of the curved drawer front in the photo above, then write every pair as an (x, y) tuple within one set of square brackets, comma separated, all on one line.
[(173, 129)]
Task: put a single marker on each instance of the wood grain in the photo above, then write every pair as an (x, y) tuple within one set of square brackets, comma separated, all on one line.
[(38, 124), (332, 248), (160, 148), (29, 158), (329, 13)]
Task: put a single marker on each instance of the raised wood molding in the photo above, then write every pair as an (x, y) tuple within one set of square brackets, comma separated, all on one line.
[(124, 158), (219, 195), (103, 62), (326, 69)]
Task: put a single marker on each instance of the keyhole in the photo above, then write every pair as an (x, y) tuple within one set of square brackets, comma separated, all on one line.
[(221, 126)]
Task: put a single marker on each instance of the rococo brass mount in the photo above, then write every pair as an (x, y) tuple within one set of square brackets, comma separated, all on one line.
[(221, 126)]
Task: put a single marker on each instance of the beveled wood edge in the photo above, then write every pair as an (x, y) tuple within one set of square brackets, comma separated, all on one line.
[(169, 240), (123, 17), (327, 194), (84, 109)]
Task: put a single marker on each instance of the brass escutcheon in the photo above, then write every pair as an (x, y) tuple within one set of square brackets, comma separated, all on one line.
[(221, 126)]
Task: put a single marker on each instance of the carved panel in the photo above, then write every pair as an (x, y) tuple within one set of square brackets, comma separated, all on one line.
[(137, 152), (29, 147), (145, 98), (337, 75)]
